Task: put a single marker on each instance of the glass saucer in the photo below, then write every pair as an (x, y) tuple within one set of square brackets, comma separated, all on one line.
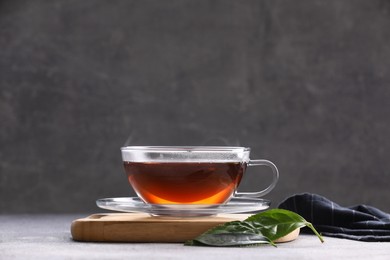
[(135, 204)]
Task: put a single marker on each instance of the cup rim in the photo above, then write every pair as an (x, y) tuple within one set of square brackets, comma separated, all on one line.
[(226, 149)]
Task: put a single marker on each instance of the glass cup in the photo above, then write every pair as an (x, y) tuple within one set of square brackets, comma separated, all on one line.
[(190, 175)]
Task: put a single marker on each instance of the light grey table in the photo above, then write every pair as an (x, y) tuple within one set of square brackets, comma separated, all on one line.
[(48, 237)]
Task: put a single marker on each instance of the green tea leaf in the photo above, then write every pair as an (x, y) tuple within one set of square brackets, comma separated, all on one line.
[(231, 239), (276, 223), (235, 233), (261, 228)]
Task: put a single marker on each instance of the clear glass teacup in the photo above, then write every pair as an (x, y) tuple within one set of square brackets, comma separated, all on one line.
[(190, 175)]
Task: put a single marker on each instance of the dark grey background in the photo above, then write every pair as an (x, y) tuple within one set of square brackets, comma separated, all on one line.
[(304, 83)]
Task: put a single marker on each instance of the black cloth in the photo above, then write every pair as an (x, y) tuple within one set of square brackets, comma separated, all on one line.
[(362, 223)]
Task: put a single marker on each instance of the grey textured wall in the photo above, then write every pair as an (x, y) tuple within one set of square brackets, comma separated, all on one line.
[(304, 83)]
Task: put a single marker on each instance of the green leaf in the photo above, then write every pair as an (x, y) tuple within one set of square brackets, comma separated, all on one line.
[(231, 239), (276, 223), (235, 233), (261, 228)]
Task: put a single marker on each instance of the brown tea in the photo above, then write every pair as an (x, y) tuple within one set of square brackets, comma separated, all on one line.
[(185, 182)]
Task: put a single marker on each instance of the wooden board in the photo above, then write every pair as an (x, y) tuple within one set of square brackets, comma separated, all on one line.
[(138, 227)]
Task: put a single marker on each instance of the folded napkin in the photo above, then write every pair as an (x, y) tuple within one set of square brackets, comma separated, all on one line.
[(363, 223)]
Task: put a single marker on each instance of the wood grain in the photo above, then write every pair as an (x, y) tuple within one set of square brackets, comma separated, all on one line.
[(138, 227)]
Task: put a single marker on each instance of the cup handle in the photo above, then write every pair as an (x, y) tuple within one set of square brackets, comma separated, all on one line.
[(275, 178)]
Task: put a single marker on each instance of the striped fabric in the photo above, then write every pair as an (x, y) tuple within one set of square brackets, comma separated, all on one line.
[(362, 223)]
